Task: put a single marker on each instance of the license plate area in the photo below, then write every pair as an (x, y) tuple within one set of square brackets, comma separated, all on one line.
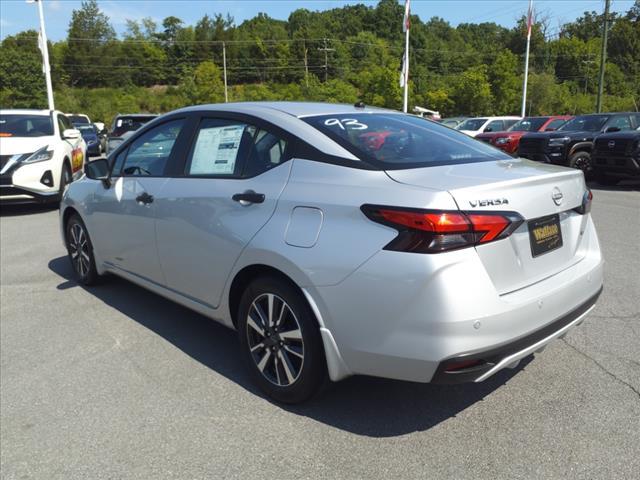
[(544, 234)]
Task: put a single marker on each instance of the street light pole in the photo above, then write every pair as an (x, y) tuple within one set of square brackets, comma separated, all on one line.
[(44, 48)]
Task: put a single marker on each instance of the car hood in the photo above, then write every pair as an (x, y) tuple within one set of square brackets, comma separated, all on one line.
[(573, 135), (471, 133), (15, 145), (500, 134)]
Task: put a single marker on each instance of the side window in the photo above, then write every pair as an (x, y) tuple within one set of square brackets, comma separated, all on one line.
[(220, 148), (621, 122), (495, 126), (636, 119), (555, 124), (118, 162), (61, 125), (268, 152), (148, 154)]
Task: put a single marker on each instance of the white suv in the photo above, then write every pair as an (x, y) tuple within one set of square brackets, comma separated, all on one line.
[(474, 126), (40, 153)]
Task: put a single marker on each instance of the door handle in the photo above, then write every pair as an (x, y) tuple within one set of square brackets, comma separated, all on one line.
[(248, 197), (145, 198)]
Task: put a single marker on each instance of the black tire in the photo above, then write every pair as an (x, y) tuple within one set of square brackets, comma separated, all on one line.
[(581, 161), (603, 179), (80, 250), (65, 178), (284, 375)]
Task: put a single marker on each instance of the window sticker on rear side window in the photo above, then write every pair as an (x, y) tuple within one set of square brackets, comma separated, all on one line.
[(216, 150)]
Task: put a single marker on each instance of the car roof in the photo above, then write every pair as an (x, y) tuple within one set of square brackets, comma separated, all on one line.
[(152, 115), (296, 109), (25, 111)]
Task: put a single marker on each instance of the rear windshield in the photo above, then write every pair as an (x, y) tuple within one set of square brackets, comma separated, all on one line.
[(79, 119), (530, 124), (472, 124), (396, 141), (123, 125), (585, 123), (15, 125)]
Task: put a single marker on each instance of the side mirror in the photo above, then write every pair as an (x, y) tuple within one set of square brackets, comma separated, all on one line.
[(98, 170), (611, 129), (488, 129), (71, 134)]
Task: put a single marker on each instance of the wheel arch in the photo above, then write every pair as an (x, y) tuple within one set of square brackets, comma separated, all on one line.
[(585, 147), (334, 363)]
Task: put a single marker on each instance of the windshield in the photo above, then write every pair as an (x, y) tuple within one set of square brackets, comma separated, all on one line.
[(472, 124), (80, 119), (129, 124), (16, 125), (585, 123), (84, 129), (395, 141), (529, 124)]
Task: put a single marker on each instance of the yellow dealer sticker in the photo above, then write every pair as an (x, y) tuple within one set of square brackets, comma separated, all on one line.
[(77, 159), (545, 234)]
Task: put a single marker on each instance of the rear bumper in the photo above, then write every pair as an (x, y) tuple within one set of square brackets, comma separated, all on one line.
[(489, 362), (408, 317)]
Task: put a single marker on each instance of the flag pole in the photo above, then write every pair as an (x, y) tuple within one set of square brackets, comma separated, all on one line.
[(526, 60), (406, 27)]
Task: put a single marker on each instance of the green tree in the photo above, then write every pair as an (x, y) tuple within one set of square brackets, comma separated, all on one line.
[(506, 83), (204, 84), (21, 79), (89, 59), (472, 92)]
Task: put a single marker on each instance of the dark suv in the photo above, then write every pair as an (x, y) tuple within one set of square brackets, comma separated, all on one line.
[(616, 156), (572, 143)]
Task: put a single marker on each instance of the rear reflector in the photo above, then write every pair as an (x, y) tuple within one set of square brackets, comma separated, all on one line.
[(429, 231)]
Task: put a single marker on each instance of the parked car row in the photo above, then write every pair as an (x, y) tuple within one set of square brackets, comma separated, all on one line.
[(612, 139), (41, 151)]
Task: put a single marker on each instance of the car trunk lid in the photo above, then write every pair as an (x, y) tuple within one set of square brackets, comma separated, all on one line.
[(534, 191)]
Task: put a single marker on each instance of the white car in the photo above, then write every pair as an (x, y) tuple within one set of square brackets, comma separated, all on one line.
[(40, 153), (474, 126)]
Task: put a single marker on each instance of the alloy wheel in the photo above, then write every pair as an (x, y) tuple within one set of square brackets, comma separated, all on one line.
[(79, 249), (275, 339)]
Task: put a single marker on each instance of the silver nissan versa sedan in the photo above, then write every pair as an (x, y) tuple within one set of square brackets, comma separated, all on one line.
[(342, 240)]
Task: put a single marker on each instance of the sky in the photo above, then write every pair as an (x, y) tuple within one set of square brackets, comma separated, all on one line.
[(17, 15)]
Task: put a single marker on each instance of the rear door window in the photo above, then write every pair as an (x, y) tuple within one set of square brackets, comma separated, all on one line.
[(495, 126), (396, 141)]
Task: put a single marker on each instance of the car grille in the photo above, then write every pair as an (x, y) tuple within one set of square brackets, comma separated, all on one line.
[(620, 146), (532, 144)]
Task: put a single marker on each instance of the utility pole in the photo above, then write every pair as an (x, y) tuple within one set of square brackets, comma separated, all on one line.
[(44, 48), (224, 69), (526, 60), (306, 64), (603, 55), (326, 57), (588, 63)]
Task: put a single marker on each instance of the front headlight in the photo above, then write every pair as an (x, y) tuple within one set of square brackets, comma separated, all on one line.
[(503, 140), (41, 155), (559, 141)]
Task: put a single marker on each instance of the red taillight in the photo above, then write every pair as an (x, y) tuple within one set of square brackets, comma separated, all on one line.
[(428, 231)]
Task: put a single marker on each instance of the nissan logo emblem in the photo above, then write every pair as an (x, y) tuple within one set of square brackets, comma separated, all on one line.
[(557, 196), (611, 144)]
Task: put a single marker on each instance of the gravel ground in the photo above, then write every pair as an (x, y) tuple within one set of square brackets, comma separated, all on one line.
[(116, 382)]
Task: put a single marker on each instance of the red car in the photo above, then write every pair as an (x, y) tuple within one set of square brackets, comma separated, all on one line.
[(509, 140)]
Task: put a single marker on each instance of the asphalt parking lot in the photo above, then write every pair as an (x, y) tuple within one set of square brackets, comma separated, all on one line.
[(116, 382)]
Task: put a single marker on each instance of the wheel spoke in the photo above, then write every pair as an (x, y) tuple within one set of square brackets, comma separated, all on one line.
[(275, 366), (260, 313), (257, 347), (293, 352), (291, 335), (270, 310), (264, 360), (279, 321), (254, 325), (286, 364)]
